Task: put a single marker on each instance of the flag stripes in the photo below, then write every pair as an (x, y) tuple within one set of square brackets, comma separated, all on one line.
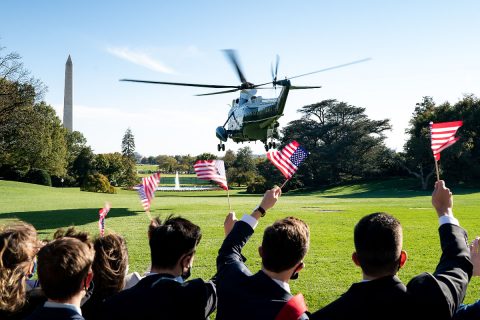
[(102, 214), (147, 189), (211, 170), (443, 136)]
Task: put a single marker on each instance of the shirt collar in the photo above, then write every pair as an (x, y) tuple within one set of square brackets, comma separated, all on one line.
[(52, 304), (282, 284)]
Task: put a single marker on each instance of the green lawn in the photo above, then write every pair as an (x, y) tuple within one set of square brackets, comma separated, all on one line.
[(331, 215)]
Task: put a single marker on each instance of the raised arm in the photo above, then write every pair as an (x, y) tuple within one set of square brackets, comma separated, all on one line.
[(238, 232), (455, 268)]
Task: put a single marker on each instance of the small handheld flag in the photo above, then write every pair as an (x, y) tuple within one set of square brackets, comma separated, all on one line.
[(443, 136), (102, 214), (289, 159), (146, 190), (211, 170)]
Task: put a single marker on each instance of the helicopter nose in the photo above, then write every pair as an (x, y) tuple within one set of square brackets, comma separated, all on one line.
[(221, 134)]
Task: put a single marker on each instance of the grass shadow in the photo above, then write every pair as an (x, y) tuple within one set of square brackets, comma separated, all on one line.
[(54, 219)]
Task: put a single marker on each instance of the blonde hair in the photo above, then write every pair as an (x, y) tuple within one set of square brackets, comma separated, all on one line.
[(18, 247)]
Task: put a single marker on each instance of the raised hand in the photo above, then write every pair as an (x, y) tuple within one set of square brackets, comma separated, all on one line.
[(442, 199)]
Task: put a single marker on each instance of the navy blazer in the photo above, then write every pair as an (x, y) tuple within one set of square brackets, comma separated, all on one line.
[(242, 295), (47, 313), (426, 296), (158, 296)]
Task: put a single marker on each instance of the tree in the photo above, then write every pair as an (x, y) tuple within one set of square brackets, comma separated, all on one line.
[(17, 87), (243, 170), (417, 156), (84, 164), (166, 163), (206, 156), (34, 138), (344, 144), (113, 166), (128, 145)]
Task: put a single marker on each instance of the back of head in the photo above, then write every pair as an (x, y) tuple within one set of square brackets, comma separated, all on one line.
[(62, 266), (109, 265), (285, 243), (18, 247), (171, 239), (378, 244), (72, 233)]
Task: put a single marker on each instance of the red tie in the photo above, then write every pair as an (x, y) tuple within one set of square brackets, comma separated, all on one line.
[(293, 309)]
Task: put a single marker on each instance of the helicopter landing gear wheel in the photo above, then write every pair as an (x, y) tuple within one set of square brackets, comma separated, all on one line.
[(270, 145), (266, 147), (220, 147), (274, 144)]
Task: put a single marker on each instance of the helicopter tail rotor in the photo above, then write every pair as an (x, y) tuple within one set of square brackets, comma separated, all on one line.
[(274, 74)]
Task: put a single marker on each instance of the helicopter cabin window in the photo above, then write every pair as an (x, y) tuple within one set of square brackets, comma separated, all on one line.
[(236, 101)]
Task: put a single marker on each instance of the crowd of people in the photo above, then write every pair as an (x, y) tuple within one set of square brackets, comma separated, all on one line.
[(84, 278)]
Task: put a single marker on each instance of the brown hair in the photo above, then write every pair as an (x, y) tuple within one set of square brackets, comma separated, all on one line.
[(72, 233), (171, 239), (378, 243), (62, 266), (109, 265), (18, 247), (285, 243)]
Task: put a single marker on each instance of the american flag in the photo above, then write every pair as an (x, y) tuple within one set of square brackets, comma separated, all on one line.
[(211, 170), (443, 136), (147, 189), (102, 214), (288, 160)]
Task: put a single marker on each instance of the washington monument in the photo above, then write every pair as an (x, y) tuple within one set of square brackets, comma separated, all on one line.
[(68, 96)]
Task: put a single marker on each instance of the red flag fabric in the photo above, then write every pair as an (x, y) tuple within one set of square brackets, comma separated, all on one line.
[(147, 189), (211, 170), (293, 309), (443, 136), (288, 160), (102, 214)]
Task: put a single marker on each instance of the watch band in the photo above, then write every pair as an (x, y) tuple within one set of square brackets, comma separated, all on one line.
[(261, 210)]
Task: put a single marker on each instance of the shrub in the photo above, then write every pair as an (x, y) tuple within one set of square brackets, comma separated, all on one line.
[(97, 183), (10, 172), (258, 185), (38, 176)]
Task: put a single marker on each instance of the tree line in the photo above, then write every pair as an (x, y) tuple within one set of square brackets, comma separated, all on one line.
[(344, 145)]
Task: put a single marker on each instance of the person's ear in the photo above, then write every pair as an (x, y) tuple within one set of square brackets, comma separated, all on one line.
[(355, 259), (260, 251), (300, 267), (89, 278), (403, 258)]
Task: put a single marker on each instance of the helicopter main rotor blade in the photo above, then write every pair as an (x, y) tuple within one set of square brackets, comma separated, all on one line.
[(304, 87), (322, 70), (232, 56), (183, 84), (218, 92), (331, 68)]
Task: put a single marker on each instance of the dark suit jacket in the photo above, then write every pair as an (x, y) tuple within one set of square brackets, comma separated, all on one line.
[(468, 311), (242, 295), (158, 296), (44, 313), (427, 296)]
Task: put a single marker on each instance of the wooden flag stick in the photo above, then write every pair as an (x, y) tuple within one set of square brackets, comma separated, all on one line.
[(284, 183), (436, 169), (228, 199), (148, 215)]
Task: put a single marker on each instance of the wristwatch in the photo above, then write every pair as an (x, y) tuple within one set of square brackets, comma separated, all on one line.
[(261, 210)]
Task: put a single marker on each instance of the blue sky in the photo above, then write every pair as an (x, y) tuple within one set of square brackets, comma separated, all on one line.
[(418, 48)]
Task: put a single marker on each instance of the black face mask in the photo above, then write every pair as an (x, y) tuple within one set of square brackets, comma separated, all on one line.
[(187, 273), (294, 276)]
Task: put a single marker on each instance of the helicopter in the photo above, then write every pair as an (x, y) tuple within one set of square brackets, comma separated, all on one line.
[(251, 117)]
